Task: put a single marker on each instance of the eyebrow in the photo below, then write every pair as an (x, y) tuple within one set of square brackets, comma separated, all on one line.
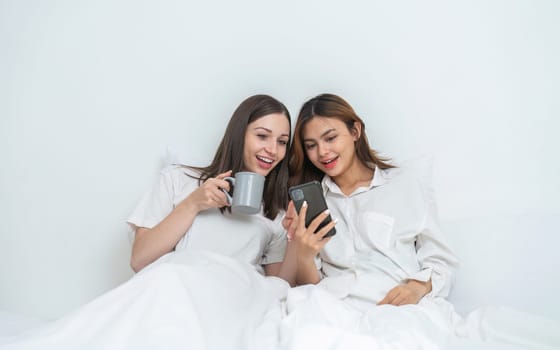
[(322, 135), (268, 130)]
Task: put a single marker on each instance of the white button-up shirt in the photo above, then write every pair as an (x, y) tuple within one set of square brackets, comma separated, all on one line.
[(249, 238), (387, 233)]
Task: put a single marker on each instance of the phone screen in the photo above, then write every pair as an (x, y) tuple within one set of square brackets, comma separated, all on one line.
[(312, 192)]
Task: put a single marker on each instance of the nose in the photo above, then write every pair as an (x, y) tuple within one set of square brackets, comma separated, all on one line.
[(271, 148), (322, 149)]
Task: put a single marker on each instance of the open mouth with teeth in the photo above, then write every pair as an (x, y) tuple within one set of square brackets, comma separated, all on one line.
[(264, 162), (331, 163)]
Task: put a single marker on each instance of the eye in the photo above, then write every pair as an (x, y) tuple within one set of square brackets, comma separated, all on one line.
[(282, 142), (262, 136), (309, 146), (331, 138)]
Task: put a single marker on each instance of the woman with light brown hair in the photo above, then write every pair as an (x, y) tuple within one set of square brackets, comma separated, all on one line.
[(301, 168), (388, 269), (387, 226)]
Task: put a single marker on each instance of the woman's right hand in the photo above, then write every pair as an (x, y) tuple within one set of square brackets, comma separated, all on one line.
[(210, 194), (309, 243)]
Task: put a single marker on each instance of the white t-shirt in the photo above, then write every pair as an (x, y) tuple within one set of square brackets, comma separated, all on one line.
[(387, 233), (248, 238)]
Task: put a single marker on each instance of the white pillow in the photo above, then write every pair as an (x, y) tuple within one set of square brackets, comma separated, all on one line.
[(185, 156), (421, 165)]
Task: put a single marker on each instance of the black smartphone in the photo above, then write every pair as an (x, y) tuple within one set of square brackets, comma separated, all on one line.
[(312, 192)]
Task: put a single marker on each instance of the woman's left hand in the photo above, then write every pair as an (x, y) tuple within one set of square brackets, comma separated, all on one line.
[(409, 293)]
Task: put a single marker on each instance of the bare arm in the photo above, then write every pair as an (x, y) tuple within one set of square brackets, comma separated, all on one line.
[(150, 244), (307, 272), (286, 269), (295, 271), (298, 266), (308, 244)]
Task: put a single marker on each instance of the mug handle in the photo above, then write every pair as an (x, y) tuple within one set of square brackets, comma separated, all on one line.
[(228, 196)]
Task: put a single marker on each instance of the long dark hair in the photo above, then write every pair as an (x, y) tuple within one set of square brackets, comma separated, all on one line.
[(229, 155), (329, 106)]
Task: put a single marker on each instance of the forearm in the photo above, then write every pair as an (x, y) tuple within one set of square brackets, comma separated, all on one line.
[(151, 244), (287, 269), (307, 272)]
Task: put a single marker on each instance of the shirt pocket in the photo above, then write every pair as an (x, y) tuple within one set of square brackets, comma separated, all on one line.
[(377, 230)]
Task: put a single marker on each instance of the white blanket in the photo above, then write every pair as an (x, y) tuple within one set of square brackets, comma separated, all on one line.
[(200, 301), (208, 301), (316, 319)]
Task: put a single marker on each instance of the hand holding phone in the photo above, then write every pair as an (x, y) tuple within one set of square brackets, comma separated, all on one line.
[(312, 193)]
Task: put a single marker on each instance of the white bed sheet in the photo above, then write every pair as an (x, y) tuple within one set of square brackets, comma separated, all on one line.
[(199, 301), (208, 301)]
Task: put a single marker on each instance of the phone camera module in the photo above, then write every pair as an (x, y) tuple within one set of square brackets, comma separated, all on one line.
[(297, 195)]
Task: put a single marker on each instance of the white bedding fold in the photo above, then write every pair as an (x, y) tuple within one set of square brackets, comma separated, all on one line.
[(210, 301), (199, 301)]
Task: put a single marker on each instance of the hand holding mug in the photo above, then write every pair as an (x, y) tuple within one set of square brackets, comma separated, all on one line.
[(209, 194)]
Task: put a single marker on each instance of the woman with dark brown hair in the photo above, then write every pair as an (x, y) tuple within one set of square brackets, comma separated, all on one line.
[(255, 140), (202, 268)]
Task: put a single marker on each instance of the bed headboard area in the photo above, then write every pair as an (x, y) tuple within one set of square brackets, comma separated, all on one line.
[(506, 260)]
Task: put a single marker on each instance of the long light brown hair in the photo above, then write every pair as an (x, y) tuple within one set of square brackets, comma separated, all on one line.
[(229, 155), (328, 106)]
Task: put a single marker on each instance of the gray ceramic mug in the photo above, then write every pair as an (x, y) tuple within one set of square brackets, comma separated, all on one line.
[(247, 192)]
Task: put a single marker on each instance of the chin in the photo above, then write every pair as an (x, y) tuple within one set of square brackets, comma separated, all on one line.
[(260, 171), (263, 172), (332, 173)]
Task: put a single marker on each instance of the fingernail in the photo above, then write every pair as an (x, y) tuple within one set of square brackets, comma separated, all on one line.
[(326, 212), (335, 221), (304, 204)]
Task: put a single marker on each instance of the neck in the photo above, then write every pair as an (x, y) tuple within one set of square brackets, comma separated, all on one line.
[(358, 175)]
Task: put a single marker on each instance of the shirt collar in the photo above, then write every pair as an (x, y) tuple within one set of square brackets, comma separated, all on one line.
[(379, 179)]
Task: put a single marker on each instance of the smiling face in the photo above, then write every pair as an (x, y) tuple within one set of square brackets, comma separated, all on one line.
[(266, 143), (330, 145)]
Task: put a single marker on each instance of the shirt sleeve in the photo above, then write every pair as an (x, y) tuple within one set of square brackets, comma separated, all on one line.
[(155, 205), (436, 258), (276, 248)]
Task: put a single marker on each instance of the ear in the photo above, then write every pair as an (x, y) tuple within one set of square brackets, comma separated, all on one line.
[(356, 131)]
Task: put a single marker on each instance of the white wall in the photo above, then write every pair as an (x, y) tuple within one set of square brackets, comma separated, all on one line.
[(91, 93)]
